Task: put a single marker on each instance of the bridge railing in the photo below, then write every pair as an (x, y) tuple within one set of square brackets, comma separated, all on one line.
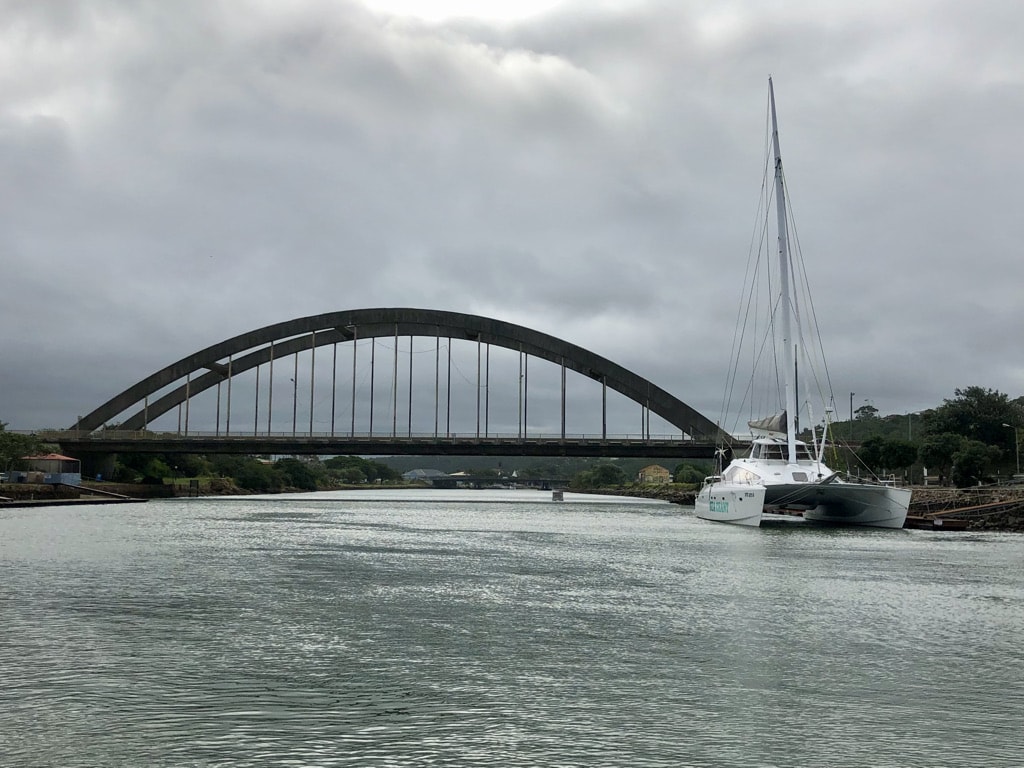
[(56, 435)]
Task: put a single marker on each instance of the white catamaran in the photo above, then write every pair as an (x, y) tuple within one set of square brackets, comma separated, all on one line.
[(782, 473)]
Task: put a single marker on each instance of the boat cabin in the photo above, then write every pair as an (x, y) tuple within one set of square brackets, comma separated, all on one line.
[(767, 450)]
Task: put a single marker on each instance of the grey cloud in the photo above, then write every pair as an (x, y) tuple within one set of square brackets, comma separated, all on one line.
[(175, 174)]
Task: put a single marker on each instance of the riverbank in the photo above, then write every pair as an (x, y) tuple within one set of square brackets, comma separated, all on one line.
[(989, 508), (90, 489)]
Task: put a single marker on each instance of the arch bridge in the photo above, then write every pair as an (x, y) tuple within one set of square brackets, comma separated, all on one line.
[(228, 389)]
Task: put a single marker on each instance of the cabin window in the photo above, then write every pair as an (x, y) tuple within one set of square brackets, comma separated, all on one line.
[(739, 475), (780, 452), (800, 477)]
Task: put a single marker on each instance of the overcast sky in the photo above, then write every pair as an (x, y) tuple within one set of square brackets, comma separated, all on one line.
[(176, 173)]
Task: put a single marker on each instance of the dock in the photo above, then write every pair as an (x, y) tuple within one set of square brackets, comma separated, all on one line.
[(22, 503), (84, 496), (959, 518)]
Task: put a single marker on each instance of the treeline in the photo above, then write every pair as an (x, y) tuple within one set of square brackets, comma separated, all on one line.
[(251, 473), (608, 475), (971, 438), (266, 476), (13, 446)]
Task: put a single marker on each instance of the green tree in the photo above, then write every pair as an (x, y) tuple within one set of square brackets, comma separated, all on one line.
[(601, 476), (13, 446), (297, 474), (189, 464), (156, 471), (971, 463), (371, 471), (871, 453), (978, 414), (898, 454), (689, 474), (254, 475), (937, 451), (866, 413), (351, 475), (227, 465)]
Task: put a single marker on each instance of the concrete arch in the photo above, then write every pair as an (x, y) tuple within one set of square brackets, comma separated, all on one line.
[(249, 350)]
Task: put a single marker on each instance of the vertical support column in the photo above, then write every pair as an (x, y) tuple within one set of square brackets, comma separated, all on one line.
[(563, 398), (519, 422), (487, 394), (256, 407), (312, 378), (604, 408), (647, 413), (448, 392), (394, 389), (227, 426), (373, 363), (295, 395), (478, 387), (216, 429), (526, 395), (145, 413), (270, 393), (355, 343), (188, 398), (437, 375), (334, 386), (410, 385)]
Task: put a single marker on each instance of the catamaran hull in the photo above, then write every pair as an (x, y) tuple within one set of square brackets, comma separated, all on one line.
[(878, 506), (724, 503)]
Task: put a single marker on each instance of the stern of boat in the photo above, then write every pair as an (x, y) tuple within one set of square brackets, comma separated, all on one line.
[(729, 503), (876, 506)]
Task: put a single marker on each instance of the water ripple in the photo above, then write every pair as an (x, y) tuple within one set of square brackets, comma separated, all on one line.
[(285, 634)]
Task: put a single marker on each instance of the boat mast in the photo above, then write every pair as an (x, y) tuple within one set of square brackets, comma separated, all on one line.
[(789, 356)]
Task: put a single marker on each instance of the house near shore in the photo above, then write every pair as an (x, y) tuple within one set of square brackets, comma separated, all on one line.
[(434, 477), (423, 474), (49, 469), (655, 474)]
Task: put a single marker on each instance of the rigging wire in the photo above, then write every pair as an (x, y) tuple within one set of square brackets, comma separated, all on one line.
[(747, 305), (766, 368)]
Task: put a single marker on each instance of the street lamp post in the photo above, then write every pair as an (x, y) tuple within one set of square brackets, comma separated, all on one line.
[(1016, 441), (851, 416)]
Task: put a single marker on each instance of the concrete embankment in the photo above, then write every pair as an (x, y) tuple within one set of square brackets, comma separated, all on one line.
[(41, 495)]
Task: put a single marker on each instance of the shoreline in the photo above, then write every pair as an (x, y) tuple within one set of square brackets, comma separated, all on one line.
[(985, 508), (968, 504)]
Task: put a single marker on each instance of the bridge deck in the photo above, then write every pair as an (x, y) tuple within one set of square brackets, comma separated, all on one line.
[(80, 442)]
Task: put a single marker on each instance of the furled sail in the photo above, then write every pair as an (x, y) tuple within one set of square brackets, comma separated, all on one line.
[(776, 423)]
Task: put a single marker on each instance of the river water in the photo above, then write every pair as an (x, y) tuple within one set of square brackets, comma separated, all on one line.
[(499, 628)]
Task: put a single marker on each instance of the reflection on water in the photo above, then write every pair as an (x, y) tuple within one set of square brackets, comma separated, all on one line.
[(346, 629)]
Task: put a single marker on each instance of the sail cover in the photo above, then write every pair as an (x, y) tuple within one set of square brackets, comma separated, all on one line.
[(776, 423)]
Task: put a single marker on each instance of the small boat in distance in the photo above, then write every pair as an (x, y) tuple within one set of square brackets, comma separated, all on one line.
[(782, 473)]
